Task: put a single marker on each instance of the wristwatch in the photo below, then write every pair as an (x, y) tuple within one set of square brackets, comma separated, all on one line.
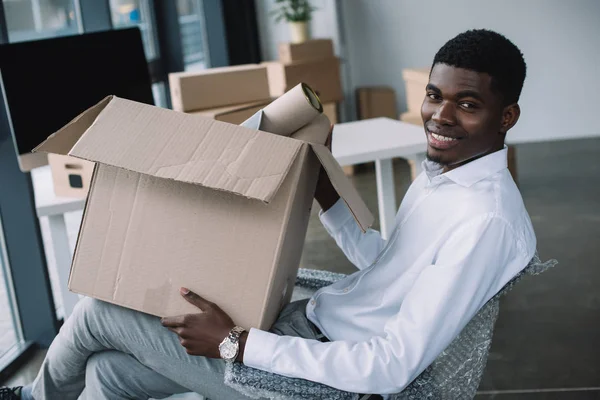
[(230, 346)]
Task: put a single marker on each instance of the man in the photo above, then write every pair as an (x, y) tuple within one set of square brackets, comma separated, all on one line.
[(462, 232)]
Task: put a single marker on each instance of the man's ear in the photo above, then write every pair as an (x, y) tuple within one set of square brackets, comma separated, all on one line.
[(510, 116)]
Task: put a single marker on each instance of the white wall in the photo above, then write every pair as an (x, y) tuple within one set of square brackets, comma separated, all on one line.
[(323, 25), (560, 40)]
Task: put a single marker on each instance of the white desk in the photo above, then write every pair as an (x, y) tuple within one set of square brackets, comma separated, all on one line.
[(380, 140), (55, 208)]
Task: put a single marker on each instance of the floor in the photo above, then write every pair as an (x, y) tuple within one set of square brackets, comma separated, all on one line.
[(545, 342)]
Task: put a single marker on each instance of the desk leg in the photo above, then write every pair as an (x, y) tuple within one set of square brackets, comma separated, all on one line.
[(386, 196), (62, 254), (415, 164)]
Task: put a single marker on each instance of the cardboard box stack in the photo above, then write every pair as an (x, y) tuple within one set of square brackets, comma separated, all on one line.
[(184, 200), (228, 94), (415, 81), (375, 102), (315, 49), (314, 63)]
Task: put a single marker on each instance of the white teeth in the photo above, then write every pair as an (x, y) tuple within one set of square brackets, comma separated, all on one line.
[(442, 138)]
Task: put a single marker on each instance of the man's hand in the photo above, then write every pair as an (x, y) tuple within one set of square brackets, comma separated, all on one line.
[(201, 333), (325, 193)]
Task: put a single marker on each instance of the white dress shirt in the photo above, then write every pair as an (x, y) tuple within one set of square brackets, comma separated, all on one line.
[(459, 238)]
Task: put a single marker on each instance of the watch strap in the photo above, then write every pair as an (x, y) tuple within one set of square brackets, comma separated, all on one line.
[(235, 333)]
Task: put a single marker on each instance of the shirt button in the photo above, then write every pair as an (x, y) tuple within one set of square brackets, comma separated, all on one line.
[(346, 290), (312, 302)]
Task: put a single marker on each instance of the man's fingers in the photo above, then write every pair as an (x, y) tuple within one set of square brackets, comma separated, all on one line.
[(173, 322), (195, 299), (174, 330)]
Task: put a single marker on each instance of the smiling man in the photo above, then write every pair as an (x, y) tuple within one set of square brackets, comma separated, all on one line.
[(462, 233), (471, 98)]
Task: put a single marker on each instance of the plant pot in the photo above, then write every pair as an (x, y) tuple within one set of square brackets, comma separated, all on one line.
[(299, 31)]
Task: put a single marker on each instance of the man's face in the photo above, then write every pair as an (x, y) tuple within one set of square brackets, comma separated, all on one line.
[(463, 117)]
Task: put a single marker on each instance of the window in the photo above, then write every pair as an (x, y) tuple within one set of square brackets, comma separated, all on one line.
[(159, 91), (36, 19), (128, 13), (10, 332), (191, 28)]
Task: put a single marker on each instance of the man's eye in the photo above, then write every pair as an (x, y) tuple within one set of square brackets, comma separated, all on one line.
[(433, 96), (468, 106)]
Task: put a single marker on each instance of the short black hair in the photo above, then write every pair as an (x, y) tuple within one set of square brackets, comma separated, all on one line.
[(482, 50)]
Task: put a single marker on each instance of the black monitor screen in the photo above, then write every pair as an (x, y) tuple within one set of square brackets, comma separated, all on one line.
[(49, 82)]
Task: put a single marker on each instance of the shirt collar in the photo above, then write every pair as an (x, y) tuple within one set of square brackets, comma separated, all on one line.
[(473, 171)]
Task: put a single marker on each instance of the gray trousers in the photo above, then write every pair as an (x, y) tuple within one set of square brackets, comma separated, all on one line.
[(105, 351)]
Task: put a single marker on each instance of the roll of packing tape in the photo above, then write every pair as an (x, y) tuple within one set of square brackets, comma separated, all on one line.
[(290, 112)]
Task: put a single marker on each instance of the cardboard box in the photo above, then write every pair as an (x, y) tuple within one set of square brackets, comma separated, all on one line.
[(412, 118), (321, 75), (232, 114), (375, 102), (71, 176), (331, 112), (182, 200), (218, 87), (415, 81), (306, 51)]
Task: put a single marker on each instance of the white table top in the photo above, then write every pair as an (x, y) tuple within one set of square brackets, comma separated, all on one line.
[(375, 139), (46, 202)]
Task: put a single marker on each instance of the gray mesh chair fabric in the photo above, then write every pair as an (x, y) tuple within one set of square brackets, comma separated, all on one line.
[(454, 374)]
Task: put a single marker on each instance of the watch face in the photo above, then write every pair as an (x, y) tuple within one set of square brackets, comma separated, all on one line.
[(228, 350)]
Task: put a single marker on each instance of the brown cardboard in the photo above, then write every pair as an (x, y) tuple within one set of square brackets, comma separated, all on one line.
[(331, 111), (30, 161), (71, 176), (232, 114), (412, 118), (183, 200), (375, 102), (415, 81), (218, 87), (306, 51), (322, 75)]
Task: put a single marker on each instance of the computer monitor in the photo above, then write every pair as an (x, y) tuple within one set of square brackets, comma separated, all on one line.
[(46, 83)]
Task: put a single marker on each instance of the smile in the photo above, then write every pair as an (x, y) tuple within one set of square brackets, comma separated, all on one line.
[(441, 142), (442, 138)]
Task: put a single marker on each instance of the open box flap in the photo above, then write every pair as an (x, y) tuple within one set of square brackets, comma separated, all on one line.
[(63, 140), (186, 148), (344, 187)]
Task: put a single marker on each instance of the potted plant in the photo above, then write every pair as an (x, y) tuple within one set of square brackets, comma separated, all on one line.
[(297, 13)]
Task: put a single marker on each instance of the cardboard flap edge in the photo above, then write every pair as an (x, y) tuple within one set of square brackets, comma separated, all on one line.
[(344, 187), (63, 140)]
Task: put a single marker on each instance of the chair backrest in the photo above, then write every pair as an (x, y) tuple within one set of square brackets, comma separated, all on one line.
[(456, 373)]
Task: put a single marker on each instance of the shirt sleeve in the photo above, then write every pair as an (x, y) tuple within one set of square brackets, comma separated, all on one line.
[(445, 296), (361, 248)]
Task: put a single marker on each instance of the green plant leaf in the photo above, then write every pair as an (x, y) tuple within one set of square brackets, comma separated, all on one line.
[(293, 10)]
